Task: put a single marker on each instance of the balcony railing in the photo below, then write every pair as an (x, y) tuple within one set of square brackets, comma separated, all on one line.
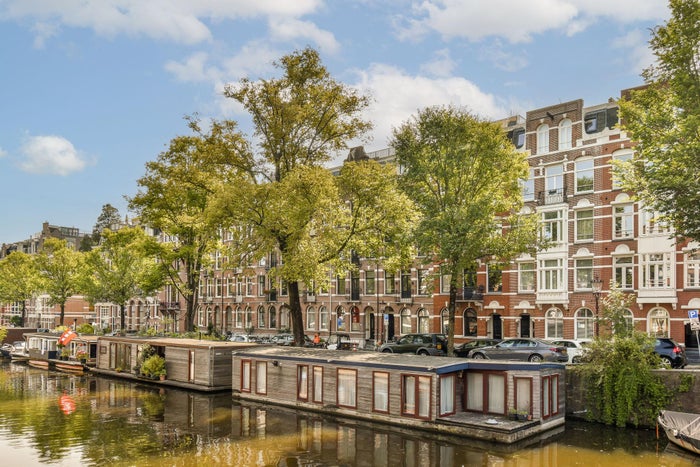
[(553, 196), (169, 306)]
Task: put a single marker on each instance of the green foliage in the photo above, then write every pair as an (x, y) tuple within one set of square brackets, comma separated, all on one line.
[(664, 118), (19, 280), (153, 367), (85, 328), (620, 386), (3, 333), (686, 382), (60, 268), (16, 321)]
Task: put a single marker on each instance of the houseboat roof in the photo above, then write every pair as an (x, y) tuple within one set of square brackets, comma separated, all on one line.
[(57, 335), (405, 362), (179, 342)]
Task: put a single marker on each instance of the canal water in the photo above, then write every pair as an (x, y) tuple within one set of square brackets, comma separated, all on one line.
[(50, 418)]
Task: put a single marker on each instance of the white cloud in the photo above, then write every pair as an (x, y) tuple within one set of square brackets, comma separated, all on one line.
[(441, 65), (517, 21), (398, 95), (181, 21), (3, 153), (637, 50), (285, 29), (50, 155)]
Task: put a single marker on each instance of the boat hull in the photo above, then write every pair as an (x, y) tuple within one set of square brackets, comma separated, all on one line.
[(682, 429)]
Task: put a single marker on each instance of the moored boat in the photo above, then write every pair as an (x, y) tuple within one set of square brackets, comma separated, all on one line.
[(682, 429)]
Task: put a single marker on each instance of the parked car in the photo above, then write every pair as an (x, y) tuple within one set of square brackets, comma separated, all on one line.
[(463, 349), (672, 354), (244, 338), (574, 347), (526, 349), (420, 344), (288, 339), (340, 341)]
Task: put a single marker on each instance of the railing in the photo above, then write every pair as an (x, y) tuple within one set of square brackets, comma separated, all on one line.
[(553, 196)]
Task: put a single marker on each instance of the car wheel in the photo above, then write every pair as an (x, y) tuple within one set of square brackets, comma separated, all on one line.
[(536, 358), (423, 353), (387, 351), (666, 362), (478, 356)]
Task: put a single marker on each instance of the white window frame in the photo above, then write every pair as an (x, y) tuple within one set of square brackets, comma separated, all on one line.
[(623, 269), (543, 139), (526, 270), (551, 275), (554, 324), (584, 168), (691, 274), (565, 134), (583, 273), (623, 221), (584, 324), (552, 226), (582, 220), (657, 270)]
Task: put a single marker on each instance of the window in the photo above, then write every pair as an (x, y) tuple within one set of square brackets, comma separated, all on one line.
[(342, 319), (423, 320), (470, 278), (528, 186), (389, 282), (624, 271), (239, 318), (584, 326), (584, 273), (523, 394), (261, 377), (273, 317), (302, 382), (584, 176), (551, 275), (405, 321), (470, 326), (692, 270), (369, 283), (554, 181), (323, 318), (554, 323), (416, 396), (340, 288), (248, 317), (347, 388), (318, 384), (552, 226), (584, 225), (623, 220), (565, 134), (550, 396), (597, 121), (621, 156), (422, 282), (494, 277), (447, 394), (380, 392), (542, 139), (445, 321), (405, 284), (526, 277), (245, 376), (486, 392), (261, 285), (656, 270), (659, 322), (445, 279), (517, 137), (311, 318), (653, 223), (261, 317)]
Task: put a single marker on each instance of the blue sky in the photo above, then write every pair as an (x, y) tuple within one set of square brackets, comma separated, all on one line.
[(91, 90)]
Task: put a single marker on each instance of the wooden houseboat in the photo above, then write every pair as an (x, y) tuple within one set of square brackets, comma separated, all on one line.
[(68, 351), (479, 399), (202, 365)]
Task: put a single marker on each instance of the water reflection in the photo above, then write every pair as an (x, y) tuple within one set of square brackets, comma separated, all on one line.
[(58, 419)]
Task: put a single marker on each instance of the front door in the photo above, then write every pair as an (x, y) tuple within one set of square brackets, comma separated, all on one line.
[(525, 325)]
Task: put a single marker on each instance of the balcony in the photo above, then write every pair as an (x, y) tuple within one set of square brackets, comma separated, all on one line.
[(169, 306), (239, 299), (553, 196), (310, 298)]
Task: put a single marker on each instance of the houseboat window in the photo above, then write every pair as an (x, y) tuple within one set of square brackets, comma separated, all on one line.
[(380, 399), (303, 382), (554, 392), (245, 376), (523, 394), (416, 396), (486, 392), (261, 377), (347, 388), (546, 399), (447, 394), (318, 384), (497, 393)]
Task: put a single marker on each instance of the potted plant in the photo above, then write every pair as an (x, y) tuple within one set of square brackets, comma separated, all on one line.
[(154, 367), (82, 356), (65, 353)]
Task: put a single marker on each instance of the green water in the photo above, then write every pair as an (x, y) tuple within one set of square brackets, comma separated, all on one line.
[(49, 418)]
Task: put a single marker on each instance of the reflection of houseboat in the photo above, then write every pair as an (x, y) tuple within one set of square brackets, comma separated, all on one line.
[(203, 365), (447, 395), (71, 353)]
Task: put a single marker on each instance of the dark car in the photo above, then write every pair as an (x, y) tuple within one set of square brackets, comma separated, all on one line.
[(671, 353), (288, 339), (463, 349), (526, 349), (420, 344)]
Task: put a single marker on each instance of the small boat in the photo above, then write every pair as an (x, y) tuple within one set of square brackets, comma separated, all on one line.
[(43, 364), (6, 350), (682, 429)]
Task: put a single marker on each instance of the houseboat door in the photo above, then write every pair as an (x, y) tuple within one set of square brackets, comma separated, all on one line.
[(190, 373)]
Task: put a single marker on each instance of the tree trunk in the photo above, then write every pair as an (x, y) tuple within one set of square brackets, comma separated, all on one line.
[(63, 313), (24, 313), (295, 314), (122, 318), (451, 317)]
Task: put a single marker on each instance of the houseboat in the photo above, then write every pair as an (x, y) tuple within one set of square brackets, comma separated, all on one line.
[(68, 351), (494, 401), (202, 365)]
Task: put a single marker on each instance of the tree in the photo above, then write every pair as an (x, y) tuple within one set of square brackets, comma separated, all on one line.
[(664, 119), (291, 203), (174, 195), (120, 269), (464, 176), (18, 280), (109, 218), (59, 268)]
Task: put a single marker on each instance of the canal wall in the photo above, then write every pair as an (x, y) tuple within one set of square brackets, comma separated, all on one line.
[(683, 384)]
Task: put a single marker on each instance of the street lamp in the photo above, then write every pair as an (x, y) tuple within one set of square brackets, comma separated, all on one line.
[(597, 286)]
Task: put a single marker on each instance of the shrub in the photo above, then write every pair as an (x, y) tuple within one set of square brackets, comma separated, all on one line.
[(153, 367)]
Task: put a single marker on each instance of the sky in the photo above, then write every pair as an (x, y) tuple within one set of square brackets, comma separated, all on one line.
[(92, 90)]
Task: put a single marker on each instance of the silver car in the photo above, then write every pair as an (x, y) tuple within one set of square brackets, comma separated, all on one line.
[(524, 349)]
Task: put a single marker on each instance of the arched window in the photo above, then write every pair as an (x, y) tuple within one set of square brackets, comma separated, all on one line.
[(272, 313), (423, 320), (311, 318), (261, 317), (658, 322), (406, 321), (284, 318), (239, 318), (342, 319), (554, 323), (542, 139), (565, 134), (445, 321), (629, 318), (248, 317), (354, 319), (470, 328), (323, 318), (584, 327)]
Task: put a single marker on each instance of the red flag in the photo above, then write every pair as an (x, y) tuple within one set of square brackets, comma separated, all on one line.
[(67, 336)]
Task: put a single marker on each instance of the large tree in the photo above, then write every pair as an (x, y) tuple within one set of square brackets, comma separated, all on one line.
[(18, 280), (59, 267), (293, 204), (120, 269), (465, 177), (174, 196), (664, 119)]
